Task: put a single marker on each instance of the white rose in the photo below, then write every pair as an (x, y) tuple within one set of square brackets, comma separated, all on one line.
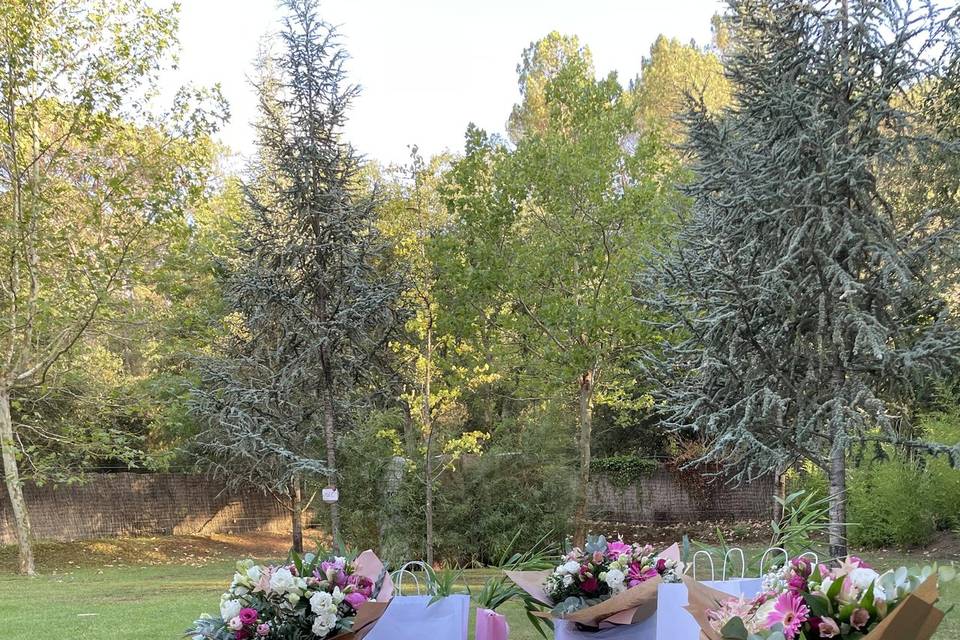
[(614, 578), (571, 567), (254, 573), (567, 580), (320, 602), (863, 577), (282, 581), (229, 608)]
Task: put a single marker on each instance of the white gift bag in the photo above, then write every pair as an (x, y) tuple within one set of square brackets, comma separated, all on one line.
[(673, 620), (643, 630), (414, 618)]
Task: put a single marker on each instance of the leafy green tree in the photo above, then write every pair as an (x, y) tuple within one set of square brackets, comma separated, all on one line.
[(428, 353), (554, 229), (540, 64), (805, 306), (672, 72), (81, 183)]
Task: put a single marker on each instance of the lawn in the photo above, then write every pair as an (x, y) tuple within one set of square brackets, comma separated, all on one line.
[(109, 592)]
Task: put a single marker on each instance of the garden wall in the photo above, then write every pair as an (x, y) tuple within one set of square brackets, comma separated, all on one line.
[(134, 504), (665, 496)]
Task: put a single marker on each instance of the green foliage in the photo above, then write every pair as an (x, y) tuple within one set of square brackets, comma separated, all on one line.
[(894, 502), (672, 74), (805, 514), (624, 470)]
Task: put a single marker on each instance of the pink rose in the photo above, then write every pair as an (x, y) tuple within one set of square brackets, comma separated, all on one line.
[(859, 618), (661, 565), (248, 615), (828, 628), (263, 630), (797, 583)]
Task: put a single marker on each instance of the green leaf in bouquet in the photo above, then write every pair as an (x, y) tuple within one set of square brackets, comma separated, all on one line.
[(819, 606), (834, 590), (297, 562), (846, 611), (866, 601), (735, 630)]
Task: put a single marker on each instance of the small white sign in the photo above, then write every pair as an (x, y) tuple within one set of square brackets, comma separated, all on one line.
[(330, 495)]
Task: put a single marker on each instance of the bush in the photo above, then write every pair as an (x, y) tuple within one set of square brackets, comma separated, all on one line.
[(892, 503)]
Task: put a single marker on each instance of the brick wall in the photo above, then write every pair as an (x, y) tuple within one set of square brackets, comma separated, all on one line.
[(667, 497), (133, 504)]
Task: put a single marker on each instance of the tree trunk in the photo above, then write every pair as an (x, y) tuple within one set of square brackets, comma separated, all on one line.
[(427, 418), (428, 479), (329, 431), (583, 477), (296, 515), (11, 477), (781, 489), (409, 432), (838, 503)]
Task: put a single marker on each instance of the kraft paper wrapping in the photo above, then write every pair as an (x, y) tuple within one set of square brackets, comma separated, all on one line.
[(633, 605), (370, 566), (367, 616), (914, 619)]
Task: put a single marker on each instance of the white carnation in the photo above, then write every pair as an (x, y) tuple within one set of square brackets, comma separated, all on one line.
[(229, 608)]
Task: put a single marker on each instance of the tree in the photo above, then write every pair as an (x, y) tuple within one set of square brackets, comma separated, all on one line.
[(312, 296), (673, 71), (800, 302), (541, 62), (428, 351), (85, 173), (554, 227)]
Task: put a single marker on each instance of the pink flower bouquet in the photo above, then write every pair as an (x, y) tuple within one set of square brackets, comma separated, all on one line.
[(603, 583), (312, 596), (803, 601)]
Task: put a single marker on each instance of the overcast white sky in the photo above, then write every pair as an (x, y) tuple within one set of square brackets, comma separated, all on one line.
[(427, 68)]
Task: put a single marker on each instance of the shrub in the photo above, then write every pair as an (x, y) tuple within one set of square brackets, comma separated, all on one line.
[(891, 502)]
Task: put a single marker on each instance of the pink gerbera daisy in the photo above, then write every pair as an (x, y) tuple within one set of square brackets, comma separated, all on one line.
[(789, 611)]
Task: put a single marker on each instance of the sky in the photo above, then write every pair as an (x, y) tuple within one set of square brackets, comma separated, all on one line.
[(426, 68)]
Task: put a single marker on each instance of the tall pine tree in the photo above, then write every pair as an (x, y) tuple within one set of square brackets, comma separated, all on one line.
[(807, 308), (315, 305)]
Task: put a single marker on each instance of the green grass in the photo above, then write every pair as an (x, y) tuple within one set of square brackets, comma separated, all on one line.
[(158, 602)]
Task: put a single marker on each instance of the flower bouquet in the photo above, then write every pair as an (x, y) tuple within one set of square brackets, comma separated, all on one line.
[(803, 601), (605, 583), (313, 596)]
